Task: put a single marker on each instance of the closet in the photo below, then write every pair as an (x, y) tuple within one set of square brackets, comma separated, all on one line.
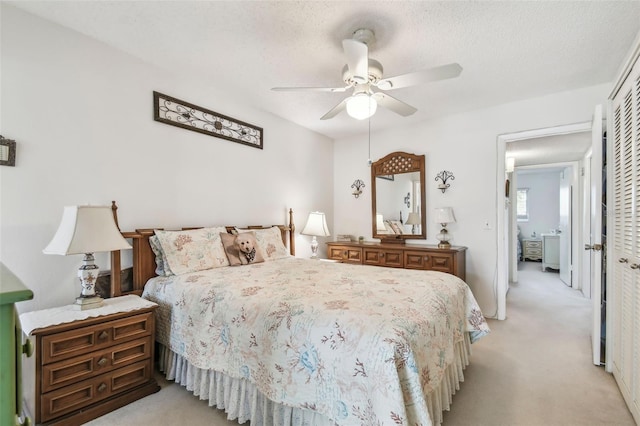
[(624, 257)]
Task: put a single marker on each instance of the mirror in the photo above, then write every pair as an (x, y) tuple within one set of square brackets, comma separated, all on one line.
[(398, 197)]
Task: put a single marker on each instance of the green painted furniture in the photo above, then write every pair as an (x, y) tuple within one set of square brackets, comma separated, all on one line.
[(12, 290)]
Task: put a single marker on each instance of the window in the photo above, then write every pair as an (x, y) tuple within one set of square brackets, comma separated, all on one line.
[(522, 204)]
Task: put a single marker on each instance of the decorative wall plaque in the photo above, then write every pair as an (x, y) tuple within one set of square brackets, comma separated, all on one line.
[(175, 112), (7, 152)]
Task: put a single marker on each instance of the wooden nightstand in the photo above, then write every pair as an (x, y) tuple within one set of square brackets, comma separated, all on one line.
[(88, 363)]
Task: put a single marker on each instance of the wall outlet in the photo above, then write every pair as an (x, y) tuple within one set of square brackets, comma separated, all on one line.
[(486, 225)]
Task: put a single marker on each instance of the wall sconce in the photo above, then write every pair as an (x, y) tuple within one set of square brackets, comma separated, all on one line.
[(357, 185), (407, 200), (444, 176)]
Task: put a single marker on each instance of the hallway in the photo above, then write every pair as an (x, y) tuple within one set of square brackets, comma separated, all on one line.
[(535, 367)]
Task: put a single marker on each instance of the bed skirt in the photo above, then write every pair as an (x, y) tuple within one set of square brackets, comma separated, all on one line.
[(243, 402)]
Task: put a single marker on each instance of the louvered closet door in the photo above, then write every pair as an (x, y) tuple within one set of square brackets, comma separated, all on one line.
[(625, 289)]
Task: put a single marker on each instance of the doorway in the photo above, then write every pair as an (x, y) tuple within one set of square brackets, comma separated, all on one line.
[(545, 218), (541, 146)]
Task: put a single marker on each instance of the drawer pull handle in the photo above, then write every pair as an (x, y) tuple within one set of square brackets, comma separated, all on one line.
[(623, 260), (634, 266), (102, 387), (102, 362), (27, 348), (103, 335), (426, 258)]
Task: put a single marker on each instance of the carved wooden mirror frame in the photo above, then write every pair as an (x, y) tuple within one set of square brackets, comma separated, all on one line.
[(390, 165)]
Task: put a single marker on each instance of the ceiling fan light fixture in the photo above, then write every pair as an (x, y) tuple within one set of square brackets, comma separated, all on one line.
[(361, 106)]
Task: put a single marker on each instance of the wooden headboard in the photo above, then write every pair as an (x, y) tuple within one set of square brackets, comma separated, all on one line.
[(144, 260)]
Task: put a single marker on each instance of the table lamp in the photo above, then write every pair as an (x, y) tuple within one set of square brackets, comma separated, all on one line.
[(317, 227), (444, 215), (87, 230)]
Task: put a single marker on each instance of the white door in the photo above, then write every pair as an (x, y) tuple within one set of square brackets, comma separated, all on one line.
[(564, 226), (595, 244)]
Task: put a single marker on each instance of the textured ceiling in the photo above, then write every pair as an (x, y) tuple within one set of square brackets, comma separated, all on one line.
[(508, 50)]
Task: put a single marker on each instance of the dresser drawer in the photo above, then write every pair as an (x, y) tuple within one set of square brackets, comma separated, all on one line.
[(390, 258), (73, 370), (442, 263), (74, 397), (345, 254), (80, 341), (533, 244), (434, 261)]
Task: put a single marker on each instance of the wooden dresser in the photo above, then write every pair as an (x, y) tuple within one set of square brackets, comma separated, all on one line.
[(407, 256), (89, 367)]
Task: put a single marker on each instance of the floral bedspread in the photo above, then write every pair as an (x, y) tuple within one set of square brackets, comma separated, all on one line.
[(359, 344)]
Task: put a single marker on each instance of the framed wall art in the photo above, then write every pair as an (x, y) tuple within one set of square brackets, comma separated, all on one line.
[(7, 152), (175, 112)]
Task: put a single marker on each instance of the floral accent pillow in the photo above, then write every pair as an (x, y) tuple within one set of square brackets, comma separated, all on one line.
[(193, 250), (242, 248), (270, 241), (162, 268)]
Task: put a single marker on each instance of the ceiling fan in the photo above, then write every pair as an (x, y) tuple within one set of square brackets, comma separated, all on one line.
[(363, 75)]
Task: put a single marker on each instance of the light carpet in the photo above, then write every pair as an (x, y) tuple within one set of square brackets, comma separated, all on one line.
[(534, 369)]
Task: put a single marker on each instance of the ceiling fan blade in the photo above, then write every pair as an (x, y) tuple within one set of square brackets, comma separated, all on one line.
[(309, 89), (393, 104), (335, 110), (357, 54), (442, 72)]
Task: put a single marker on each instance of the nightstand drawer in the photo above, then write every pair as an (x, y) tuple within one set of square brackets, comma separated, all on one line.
[(74, 397), (533, 244), (69, 371), (76, 342)]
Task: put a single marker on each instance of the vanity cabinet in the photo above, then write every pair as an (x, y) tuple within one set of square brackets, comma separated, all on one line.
[(451, 260)]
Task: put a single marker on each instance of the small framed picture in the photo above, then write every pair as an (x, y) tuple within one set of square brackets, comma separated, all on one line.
[(7, 152), (343, 238)]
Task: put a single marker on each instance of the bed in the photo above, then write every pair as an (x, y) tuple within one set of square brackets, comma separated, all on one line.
[(304, 342)]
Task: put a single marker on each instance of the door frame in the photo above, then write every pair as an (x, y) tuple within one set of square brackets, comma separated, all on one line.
[(503, 244)]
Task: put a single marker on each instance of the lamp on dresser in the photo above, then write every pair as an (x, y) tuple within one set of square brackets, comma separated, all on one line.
[(414, 220), (317, 227), (87, 230), (444, 215)]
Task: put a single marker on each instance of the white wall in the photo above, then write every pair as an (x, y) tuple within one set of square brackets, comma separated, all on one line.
[(544, 201), (465, 144), (81, 113)]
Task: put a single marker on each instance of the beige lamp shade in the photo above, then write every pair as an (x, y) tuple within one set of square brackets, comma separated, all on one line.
[(316, 225), (86, 229), (444, 215), (413, 219)]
